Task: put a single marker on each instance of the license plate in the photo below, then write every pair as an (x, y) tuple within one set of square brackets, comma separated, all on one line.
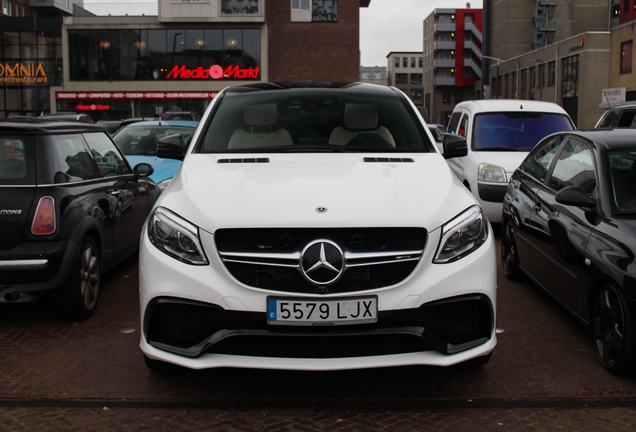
[(322, 312)]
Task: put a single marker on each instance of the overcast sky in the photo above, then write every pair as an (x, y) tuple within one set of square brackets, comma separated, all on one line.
[(385, 26)]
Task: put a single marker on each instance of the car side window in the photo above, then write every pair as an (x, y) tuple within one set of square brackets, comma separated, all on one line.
[(538, 162), (74, 162), (609, 120), (627, 118), (574, 167), (454, 122), (109, 161)]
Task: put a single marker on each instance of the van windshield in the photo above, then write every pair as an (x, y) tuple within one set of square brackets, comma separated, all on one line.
[(515, 131)]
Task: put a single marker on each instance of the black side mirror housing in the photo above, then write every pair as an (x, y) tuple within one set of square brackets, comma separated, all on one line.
[(454, 146), (575, 196), (171, 147), (143, 170)]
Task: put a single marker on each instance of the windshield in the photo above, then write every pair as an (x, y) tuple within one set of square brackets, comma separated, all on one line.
[(515, 131), (142, 140), (623, 171), (314, 122)]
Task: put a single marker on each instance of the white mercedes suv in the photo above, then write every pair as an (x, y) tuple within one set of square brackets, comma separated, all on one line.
[(315, 226)]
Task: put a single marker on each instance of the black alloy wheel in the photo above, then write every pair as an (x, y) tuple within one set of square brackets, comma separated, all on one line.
[(509, 256), (612, 330)]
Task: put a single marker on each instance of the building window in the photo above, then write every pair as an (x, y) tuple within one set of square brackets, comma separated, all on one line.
[(401, 78), (421, 62), (459, 96), (6, 7), (233, 7), (325, 10), (405, 62), (626, 57), (570, 77), (300, 11), (397, 62), (413, 62), (160, 54), (446, 97), (551, 73), (416, 78)]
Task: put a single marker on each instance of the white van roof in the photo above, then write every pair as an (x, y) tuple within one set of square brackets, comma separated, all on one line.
[(509, 105)]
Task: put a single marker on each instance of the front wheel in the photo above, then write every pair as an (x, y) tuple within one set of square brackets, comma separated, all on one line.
[(612, 330), (78, 298), (509, 254)]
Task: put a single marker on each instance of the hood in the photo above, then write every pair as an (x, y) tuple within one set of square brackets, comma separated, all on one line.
[(164, 168), (287, 190), (509, 161)]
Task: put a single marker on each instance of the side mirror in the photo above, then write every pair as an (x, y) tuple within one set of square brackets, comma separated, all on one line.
[(143, 170), (171, 147), (574, 196), (454, 146)]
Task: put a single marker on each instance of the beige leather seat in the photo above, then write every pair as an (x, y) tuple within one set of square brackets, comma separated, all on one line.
[(359, 119), (260, 118)]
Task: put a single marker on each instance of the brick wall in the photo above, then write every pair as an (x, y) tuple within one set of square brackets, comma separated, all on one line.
[(313, 51)]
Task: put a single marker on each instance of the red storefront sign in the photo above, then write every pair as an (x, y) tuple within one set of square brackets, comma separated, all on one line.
[(214, 72), (92, 107), (133, 95)]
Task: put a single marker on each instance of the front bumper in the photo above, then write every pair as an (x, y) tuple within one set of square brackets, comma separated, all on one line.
[(201, 317)]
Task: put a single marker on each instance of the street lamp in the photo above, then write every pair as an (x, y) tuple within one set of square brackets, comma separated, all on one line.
[(499, 61), (541, 75)]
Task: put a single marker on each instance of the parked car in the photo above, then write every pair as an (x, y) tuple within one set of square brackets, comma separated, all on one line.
[(71, 208), (315, 226), (437, 132), (620, 116), (180, 115), (139, 140), (569, 223), (82, 118), (500, 133)]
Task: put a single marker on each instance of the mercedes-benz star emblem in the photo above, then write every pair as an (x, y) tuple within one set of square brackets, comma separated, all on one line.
[(321, 209), (322, 262)]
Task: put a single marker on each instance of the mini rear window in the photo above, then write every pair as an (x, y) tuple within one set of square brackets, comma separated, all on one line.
[(16, 161)]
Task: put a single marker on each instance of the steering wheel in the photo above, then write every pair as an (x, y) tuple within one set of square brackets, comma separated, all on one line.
[(370, 141)]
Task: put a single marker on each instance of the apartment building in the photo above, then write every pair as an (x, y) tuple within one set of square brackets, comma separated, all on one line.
[(452, 60)]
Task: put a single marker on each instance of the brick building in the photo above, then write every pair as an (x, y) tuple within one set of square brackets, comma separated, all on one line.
[(128, 66)]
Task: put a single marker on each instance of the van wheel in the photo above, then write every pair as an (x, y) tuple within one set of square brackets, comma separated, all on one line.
[(78, 298)]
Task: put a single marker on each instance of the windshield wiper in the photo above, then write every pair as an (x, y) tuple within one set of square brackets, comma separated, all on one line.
[(506, 149)]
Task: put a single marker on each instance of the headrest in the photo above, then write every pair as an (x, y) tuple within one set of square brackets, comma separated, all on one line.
[(360, 116), (260, 115)]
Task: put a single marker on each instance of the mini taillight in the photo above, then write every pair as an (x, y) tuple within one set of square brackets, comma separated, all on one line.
[(44, 220)]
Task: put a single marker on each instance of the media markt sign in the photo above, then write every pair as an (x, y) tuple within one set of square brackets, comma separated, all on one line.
[(23, 73), (214, 72)]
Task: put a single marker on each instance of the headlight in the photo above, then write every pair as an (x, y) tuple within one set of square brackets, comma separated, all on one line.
[(176, 237), (462, 235), (491, 173), (163, 184)]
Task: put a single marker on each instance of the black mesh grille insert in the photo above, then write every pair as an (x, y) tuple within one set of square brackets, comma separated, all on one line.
[(287, 279)]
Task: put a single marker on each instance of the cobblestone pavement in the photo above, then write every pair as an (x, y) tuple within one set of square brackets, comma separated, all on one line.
[(58, 375)]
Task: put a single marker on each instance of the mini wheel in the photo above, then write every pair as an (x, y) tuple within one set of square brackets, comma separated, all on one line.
[(78, 298)]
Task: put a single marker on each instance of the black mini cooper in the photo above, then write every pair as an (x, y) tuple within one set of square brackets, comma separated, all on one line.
[(70, 208)]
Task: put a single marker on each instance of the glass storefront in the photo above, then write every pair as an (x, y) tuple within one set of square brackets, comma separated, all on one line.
[(164, 54), (30, 62)]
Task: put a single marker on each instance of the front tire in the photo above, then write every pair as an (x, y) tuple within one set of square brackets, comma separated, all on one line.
[(509, 254), (78, 298), (612, 331)]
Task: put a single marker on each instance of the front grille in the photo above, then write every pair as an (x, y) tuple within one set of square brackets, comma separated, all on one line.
[(287, 279), (270, 258), (192, 328)]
